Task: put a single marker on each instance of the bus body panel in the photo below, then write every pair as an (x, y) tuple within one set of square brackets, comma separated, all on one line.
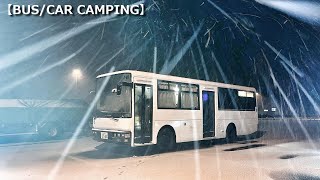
[(246, 122), (121, 124), (185, 130), (176, 114)]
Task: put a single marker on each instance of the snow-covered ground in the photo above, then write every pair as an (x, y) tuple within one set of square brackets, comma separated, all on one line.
[(87, 159), (278, 152)]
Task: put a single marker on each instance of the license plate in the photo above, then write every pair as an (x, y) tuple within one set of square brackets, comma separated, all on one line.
[(104, 135)]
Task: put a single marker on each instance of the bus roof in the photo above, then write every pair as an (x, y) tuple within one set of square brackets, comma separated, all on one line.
[(177, 79)]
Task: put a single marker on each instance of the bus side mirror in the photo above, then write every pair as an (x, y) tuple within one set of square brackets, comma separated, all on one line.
[(119, 88)]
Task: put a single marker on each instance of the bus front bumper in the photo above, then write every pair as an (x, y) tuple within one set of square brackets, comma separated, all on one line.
[(113, 136)]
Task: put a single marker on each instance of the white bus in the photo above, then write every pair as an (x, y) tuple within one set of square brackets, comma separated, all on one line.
[(140, 108)]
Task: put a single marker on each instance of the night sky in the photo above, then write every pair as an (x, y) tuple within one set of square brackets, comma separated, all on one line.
[(239, 42)]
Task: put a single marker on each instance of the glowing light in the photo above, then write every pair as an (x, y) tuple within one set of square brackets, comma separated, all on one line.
[(250, 94), (77, 74), (242, 93), (176, 89)]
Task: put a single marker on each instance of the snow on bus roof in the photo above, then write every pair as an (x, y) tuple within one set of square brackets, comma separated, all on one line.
[(178, 79)]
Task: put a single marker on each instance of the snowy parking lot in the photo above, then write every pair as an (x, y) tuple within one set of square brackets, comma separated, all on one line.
[(260, 158)]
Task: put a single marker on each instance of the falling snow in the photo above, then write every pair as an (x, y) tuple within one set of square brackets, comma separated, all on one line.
[(271, 45)]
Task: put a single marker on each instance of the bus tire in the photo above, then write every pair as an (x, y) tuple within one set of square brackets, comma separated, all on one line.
[(166, 140), (231, 133)]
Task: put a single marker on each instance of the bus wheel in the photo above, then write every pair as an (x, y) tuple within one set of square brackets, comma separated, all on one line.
[(166, 140), (231, 133)]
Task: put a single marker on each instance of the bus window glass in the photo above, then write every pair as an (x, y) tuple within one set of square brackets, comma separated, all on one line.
[(168, 95), (112, 104), (174, 87), (173, 95), (189, 100), (168, 99), (189, 96), (232, 99), (163, 85)]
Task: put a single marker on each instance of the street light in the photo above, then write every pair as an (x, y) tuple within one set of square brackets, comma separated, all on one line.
[(76, 74)]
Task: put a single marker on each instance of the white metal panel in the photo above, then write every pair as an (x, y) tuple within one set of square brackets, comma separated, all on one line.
[(123, 124), (245, 121), (178, 118), (176, 115), (191, 130)]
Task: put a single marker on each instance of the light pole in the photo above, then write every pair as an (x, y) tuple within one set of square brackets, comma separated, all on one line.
[(76, 74)]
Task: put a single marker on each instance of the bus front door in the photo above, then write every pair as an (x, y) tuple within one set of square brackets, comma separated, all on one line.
[(208, 113), (143, 113)]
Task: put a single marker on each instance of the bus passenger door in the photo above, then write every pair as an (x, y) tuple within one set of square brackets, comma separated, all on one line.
[(208, 113), (143, 113)]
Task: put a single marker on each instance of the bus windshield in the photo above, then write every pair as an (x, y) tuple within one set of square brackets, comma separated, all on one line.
[(111, 103)]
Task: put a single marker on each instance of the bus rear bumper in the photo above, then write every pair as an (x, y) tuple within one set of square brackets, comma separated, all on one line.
[(112, 136)]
